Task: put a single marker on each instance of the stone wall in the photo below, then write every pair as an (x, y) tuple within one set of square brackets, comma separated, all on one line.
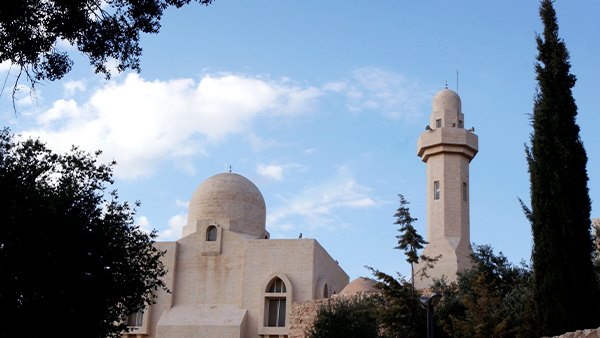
[(302, 316), (589, 333), (304, 313)]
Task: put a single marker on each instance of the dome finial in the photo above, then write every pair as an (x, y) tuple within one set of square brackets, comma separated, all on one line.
[(446, 84), (229, 168)]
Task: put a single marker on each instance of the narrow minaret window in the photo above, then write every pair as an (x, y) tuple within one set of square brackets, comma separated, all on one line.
[(436, 190), (464, 191), (460, 124), (211, 234), (438, 123)]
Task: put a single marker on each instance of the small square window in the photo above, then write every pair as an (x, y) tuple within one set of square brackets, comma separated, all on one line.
[(436, 190), (438, 123), (464, 192), (136, 319)]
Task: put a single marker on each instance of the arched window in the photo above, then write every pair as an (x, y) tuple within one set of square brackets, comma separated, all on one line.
[(211, 234), (277, 286), (325, 292), (275, 306)]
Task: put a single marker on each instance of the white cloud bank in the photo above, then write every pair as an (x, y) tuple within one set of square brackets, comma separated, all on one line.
[(144, 224), (383, 91), (176, 224), (5, 66), (275, 172), (139, 122), (270, 171), (315, 205), (142, 123)]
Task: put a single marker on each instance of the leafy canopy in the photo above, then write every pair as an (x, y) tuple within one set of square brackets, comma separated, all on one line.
[(71, 260), (490, 299), (345, 318), (397, 312), (100, 29)]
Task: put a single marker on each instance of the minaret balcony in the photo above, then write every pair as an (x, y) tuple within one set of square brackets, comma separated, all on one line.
[(447, 140)]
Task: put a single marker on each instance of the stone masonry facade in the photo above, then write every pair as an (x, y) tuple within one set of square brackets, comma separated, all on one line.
[(590, 333)]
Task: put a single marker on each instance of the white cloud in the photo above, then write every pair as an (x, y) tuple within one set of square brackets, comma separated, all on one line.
[(316, 205), (276, 171), (335, 86), (63, 45), (283, 226), (5, 66), (25, 97), (182, 203), (140, 123), (394, 115), (144, 224), (377, 89), (258, 144), (270, 171), (60, 109), (72, 86), (309, 151), (176, 224)]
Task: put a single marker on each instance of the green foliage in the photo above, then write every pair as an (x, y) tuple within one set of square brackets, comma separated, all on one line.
[(560, 203), (101, 30), (496, 268), (484, 317), (410, 241), (346, 318), (494, 292), (71, 260), (451, 305), (399, 313)]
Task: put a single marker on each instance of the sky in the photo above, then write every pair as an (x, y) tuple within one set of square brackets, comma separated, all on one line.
[(320, 104)]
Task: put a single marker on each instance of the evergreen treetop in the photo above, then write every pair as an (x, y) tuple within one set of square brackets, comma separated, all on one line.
[(560, 204), (409, 240)]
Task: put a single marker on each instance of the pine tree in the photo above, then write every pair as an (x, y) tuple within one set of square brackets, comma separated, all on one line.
[(483, 316), (396, 314), (564, 282), (409, 240)]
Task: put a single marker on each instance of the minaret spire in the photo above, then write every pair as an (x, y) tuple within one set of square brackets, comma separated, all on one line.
[(447, 152)]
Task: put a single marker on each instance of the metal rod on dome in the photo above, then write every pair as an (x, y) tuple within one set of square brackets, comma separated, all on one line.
[(459, 102)]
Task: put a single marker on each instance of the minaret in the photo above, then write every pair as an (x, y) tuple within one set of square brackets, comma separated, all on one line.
[(447, 148)]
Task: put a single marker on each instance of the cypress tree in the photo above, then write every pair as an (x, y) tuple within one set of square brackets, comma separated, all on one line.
[(564, 283)]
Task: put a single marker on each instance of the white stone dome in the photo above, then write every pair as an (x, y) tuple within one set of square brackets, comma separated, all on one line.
[(361, 284), (446, 99), (232, 201)]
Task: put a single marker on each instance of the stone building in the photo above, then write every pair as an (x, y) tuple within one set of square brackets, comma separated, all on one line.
[(447, 148), (227, 277)]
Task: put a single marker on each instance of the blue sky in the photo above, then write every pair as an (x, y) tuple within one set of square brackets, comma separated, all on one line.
[(320, 104)]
